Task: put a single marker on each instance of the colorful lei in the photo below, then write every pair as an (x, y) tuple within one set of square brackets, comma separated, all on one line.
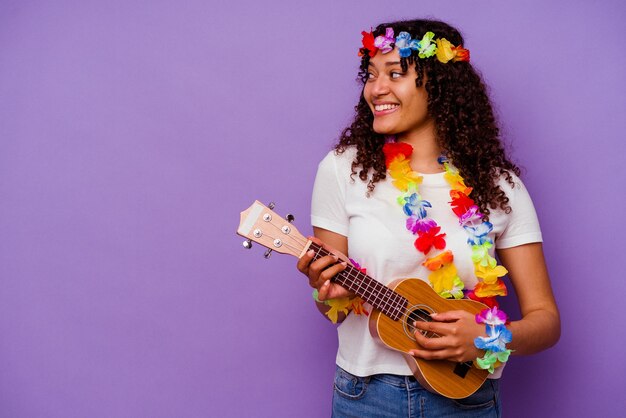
[(495, 342), (443, 275), (426, 47)]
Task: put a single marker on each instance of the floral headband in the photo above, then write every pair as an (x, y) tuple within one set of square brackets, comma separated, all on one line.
[(425, 48)]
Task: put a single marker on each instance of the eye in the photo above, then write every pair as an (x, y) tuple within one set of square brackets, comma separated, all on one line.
[(369, 76), (396, 74)]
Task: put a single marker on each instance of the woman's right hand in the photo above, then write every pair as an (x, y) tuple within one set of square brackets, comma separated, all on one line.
[(322, 270)]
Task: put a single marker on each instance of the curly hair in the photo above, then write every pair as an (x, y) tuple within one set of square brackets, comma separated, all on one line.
[(465, 124)]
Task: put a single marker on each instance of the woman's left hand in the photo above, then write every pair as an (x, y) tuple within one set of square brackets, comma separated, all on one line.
[(456, 332)]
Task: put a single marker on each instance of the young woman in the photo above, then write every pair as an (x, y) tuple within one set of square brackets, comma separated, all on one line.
[(419, 186)]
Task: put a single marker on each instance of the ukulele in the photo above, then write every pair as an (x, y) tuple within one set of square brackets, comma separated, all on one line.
[(396, 307)]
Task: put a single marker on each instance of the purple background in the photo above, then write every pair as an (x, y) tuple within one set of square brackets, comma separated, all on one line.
[(133, 133)]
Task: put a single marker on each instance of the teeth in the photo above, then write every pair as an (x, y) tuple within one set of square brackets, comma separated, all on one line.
[(380, 108)]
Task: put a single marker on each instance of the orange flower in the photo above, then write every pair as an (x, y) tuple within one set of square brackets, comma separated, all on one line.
[(485, 290), (357, 306), (462, 54), (437, 262)]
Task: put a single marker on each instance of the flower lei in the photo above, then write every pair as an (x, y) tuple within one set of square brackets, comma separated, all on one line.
[(443, 275), (425, 47), (495, 342)]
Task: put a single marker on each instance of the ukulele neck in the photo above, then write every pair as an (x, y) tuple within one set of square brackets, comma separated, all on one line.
[(376, 294)]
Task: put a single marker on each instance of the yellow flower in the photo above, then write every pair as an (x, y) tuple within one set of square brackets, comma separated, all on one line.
[(344, 305), (490, 274), (336, 306), (446, 281), (444, 50), (403, 176), (456, 182)]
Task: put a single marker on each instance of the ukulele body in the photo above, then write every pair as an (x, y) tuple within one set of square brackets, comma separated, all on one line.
[(451, 379)]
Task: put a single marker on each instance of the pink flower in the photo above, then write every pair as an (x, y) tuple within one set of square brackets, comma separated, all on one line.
[(493, 316), (385, 43), (470, 216), (417, 225)]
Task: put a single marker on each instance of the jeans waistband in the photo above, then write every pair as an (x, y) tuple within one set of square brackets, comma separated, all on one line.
[(397, 380)]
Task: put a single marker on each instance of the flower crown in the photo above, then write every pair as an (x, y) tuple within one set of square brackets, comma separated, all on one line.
[(425, 48)]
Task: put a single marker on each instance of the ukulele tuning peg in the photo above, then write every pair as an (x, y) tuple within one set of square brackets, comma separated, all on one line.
[(247, 244), (271, 205), (290, 218), (267, 254)]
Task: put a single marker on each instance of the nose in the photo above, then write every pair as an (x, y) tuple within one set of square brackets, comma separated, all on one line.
[(380, 86)]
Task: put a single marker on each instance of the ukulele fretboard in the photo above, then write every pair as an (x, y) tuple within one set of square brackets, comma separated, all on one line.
[(376, 294)]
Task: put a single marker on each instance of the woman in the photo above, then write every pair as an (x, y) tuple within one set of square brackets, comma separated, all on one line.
[(419, 186)]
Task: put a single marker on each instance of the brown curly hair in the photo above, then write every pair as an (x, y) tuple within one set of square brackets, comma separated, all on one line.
[(465, 125)]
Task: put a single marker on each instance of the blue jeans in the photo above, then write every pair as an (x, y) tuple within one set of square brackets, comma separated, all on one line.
[(388, 395)]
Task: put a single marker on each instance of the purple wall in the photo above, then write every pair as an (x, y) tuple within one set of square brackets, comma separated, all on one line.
[(133, 133)]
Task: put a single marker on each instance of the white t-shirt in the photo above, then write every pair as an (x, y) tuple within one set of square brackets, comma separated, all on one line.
[(379, 241)]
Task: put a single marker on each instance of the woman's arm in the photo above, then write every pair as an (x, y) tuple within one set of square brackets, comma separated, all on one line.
[(540, 326), (323, 269)]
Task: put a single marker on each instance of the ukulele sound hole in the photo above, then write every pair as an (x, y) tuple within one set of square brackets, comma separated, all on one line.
[(417, 313)]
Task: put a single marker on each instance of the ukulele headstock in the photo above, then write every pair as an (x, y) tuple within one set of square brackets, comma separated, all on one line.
[(260, 224)]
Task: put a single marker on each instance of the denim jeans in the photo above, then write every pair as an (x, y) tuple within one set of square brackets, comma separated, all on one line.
[(387, 395)]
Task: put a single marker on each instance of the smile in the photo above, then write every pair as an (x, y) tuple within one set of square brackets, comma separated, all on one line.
[(383, 107)]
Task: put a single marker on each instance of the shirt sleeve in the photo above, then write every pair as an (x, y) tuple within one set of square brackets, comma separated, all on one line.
[(522, 226), (328, 209)]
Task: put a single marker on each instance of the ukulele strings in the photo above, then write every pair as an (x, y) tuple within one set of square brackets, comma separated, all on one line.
[(404, 315)]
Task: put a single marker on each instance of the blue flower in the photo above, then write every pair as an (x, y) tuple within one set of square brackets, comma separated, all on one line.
[(413, 204), (496, 339), (479, 235), (406, 45)]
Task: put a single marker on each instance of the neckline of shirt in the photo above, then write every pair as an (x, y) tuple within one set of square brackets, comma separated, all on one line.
[(434, 180)]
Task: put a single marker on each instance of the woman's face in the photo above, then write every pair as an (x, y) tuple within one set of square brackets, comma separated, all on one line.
[(399, 107)]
